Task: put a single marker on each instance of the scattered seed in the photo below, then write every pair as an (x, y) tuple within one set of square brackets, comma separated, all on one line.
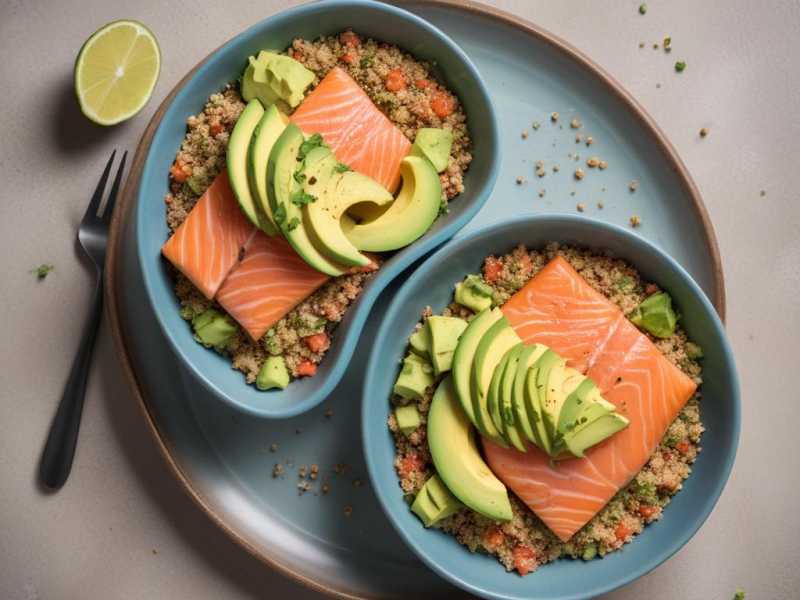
[(302, 472), (642, 9), (658, 86), (313, 471), (633, 185), (578, 138), (667, 44), (348, 510), (303, 487), (579, 174), (680, 66), (703, 132), (589, 140), (763, 193), (572, 193), (278, 470), (325, 488), (539, 164), (655, 45), (536, 125), (541, 172), (273, 447), (592, 162), (298, 431), (541, 193), (580, 206), (329, 413), (520, 179), (357, 483), (556, 168), (600, 205), (602, 165), (577, 157), (554, 117), (524, 134), (155, 551), (575, 124), (641, 44), (635, 221)]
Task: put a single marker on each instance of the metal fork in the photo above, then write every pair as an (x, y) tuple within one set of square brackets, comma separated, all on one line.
[(59, 450)]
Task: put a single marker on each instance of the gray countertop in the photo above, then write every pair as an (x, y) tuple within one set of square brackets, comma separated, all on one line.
[(122, 528)]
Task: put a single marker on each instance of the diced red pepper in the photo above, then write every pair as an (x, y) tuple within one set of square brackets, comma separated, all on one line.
[(493, 538), (682, 447), (647, 511), (491, 269), (395, 80), (317, 342), (524, 559), (180, 171), (622, 532), (306, 368), (422, 83), (409, 464), (348, 57), (442, 104), (215, 127), (348, 38)]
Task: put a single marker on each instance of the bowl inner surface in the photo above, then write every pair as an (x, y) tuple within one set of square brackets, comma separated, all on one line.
[(432, 284)]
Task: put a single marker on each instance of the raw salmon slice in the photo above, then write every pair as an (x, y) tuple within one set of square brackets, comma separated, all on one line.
[(269, 282), (359, 134), (559, 309), (207, 244), (630, 371)]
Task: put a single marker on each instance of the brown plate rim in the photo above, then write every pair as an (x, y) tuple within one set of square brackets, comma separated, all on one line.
[(127, 200)]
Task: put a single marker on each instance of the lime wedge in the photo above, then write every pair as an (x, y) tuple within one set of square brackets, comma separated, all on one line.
[(116, 71)]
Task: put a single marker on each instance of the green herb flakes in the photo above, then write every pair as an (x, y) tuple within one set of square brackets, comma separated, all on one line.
[(680, 66), (42, 271)]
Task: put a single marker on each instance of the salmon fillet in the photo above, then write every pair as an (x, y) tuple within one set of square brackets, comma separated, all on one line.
[(269, 282), (359, 134), (207, 244), (629, 370)]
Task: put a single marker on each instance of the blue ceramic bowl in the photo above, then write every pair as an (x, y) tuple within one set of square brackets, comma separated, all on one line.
[(432, 284), (374, 19)]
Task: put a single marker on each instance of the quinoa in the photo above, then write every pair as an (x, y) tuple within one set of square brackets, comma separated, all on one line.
[(202, 155), (641, 502)]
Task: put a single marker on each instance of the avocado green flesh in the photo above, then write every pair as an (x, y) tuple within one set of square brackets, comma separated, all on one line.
[(655, 315), (236, 159), (541, 438), (273, 77), (493, 396), (415, 377), (409, 216), (281, 167), (407, 418), (495, 342), (573, 405), (464, 355), (335, 192), (593, 433), (457, 459), (420, 342), (511, 429), (530, 355), (273, 374), (443, 333), (213, 329), (267, 131)]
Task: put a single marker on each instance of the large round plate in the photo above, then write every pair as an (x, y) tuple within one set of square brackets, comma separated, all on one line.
[(221, 457)]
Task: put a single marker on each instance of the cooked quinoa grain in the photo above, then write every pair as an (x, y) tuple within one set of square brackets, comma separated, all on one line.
[(525, 543)]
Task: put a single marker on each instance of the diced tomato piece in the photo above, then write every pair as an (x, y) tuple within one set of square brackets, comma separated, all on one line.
[(622, 532), (524, 559), (395, 81), (215, 127), (493, 538), (422, 83), (348, 57), (306, 368), (682, 447), (317, 342), (180, 171), (409, 464), (348, 38), (442, 104), (647, 511), (667, 455), (491, 269)]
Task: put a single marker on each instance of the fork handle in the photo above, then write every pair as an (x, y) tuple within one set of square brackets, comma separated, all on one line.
[(59, 450)]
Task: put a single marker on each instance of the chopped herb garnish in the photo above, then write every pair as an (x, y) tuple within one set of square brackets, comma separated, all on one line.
[(739, 595), (42, 271), (279, 214), (365, 62), (299, 176), (315, 141), (642, 9), (624, 283), (300, 198), (341, 168), (293, 224), (680, 66)]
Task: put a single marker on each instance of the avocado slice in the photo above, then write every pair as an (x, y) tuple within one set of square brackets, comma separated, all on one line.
[(273, 374), (493, 396), (593, 433), (409, 216), (433, 144), (457, 459), (464, 355), (510, 430), (534, 410), (414, 378), (334, 193), (494, 343), (443, 333), (530, 355), (407, 418), (268, 130), (238, 146), (434, 502), (281, 168), (420, 342)]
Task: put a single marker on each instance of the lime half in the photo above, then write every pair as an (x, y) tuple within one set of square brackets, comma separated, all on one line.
[(116, 71)]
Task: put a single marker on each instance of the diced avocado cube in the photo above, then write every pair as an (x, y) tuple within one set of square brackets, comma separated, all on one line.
[(693, 351), (407, 418), (213, 329), (443, 333), (589, 552), (420, 342), (474, 293), (435, 502), (415, 377), (655, 315), (273, 374), (273, 76), (434, 144)]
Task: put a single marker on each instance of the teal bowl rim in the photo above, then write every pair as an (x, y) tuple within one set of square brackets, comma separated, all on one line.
[(371, 435), (359, 312)]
